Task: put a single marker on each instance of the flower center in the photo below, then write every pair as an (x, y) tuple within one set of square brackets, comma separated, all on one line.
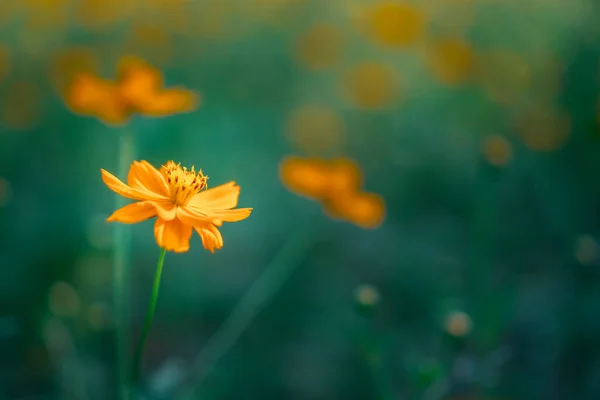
[(183, 184)]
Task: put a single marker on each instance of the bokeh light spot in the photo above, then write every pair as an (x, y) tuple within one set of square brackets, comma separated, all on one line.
[(64, 300), (56, 335), (314, 129), (21, 105), (319, 47), (395, 24), (586, 250), (543, 127), (503, 75), (367, 295), (497, 150), (371, 85), (458, 323), (450, 60), (99, 316)]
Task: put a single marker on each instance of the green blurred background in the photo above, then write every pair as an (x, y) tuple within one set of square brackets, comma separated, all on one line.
[(475, 120)]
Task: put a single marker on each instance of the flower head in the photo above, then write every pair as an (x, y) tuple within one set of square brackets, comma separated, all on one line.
[(137, 89), (180, 200), (336, 184)]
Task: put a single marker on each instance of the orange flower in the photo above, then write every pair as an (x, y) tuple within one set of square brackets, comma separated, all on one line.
[(176, 197), (366, 210), (319, 179), (90, 95), (138, 89), (336, 184)]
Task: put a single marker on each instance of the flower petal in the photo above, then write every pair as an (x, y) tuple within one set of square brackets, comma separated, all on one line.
[(235, 215), (366, 210), (222, 197), (91, 95), (167, 102), (131, 193), (211, 237), (345, 176), (194, 216), (172, 235), (166, 210), (133, 213), (307, 177), (143, 175)]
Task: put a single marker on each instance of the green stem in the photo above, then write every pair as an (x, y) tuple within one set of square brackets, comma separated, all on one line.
[(137, 359), (120, 273)]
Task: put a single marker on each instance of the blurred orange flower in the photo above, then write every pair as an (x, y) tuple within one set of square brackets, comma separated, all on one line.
[(138, 88), (366, 210), (336, 184), (176, 197)]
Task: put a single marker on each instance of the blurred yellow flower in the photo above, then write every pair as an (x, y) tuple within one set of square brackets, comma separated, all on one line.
[(450, 60), (138, 88), (320, 47), (370, 85), (336, 184), (176, 197), (395, 24)]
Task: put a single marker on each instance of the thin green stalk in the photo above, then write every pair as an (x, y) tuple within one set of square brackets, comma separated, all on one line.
[(259, 294), (120, 273), (137, 359)]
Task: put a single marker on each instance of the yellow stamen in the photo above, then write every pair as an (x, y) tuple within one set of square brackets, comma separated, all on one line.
[(183, 184)]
